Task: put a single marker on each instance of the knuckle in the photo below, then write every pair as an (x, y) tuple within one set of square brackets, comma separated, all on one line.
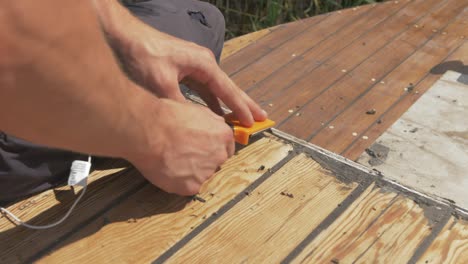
[(208, 53)]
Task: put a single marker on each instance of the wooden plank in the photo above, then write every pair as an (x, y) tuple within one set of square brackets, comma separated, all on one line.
[(410, 70), (105, 186), (236, 44), (343, 71), (160, 219), (253, 52), (295, 47), (379, 227), (270, 86), (428, 145), (266, 226), (386, 119), (450, 246)]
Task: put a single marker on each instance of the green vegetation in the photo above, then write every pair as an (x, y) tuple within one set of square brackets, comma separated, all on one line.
[(244, 16)]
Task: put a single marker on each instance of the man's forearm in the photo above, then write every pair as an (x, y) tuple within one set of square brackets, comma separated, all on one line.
[(59, 83)]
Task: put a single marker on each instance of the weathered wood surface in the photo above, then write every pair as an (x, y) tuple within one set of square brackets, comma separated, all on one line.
[(380, 227), (267, 203), (427, 148), (453, 62), (268, 224), (451, 246), (151, 221), (105, 187)]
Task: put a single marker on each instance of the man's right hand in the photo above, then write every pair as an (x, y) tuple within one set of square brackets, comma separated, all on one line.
[(185, 146)]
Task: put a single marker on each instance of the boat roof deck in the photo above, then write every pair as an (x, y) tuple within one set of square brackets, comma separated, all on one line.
[(280, 199)]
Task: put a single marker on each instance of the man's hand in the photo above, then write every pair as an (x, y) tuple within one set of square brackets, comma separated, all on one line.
[(160, 62), (61, 86), (186, 147)]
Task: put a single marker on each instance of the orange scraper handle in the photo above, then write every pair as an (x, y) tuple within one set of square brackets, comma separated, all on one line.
[(241, 133)]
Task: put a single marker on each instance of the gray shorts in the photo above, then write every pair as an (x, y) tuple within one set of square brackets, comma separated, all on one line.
[(27, 168)]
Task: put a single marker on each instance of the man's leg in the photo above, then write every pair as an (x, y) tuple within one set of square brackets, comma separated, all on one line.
[(191, 20), (27, 168)]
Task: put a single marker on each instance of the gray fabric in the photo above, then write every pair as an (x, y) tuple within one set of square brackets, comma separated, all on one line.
[(195, 21), (27, 168)]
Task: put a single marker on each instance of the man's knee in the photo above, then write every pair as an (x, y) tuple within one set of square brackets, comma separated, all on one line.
[(215, 21), (215, 17)]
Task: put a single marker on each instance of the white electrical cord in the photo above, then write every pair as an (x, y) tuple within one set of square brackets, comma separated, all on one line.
[(20, 222)]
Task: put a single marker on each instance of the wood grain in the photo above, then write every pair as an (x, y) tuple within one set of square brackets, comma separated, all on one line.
[(151, 221), (340, 99), (312, 93), (263, 46), (18, 243), (295, 47), (450, 246), (266, 226), (411, 68), (272, 85), (379, 227), (236, 44), (387, 118)]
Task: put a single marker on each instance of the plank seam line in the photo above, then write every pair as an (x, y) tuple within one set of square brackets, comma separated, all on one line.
[(256, 85), (250, 43), (397, 102), (37, 256), (337, 212), (383, 77), (379, 236), (223, 210), (323, 18), (392, 201), (352, 69), (425, 244), (368, 174), (312, 149)]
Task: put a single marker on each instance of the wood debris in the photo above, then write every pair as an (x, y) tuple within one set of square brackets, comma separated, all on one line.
[(290, 195), (198, 198)]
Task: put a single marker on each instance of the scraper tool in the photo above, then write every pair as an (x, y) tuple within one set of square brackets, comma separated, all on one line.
[(243, 134)]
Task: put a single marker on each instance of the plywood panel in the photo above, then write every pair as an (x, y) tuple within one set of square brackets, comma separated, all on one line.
[(456, 62), (450, 246), (349, 71), (378, 228), (105, 186), (412, 69), (428, 145), (236, 44), (266, 225), (151, 221)]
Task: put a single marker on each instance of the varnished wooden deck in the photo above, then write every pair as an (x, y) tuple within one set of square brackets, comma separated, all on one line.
[(318, 77), (277, 200)]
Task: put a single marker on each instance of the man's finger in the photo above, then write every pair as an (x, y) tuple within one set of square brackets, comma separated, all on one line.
[(257, 112), (226, 90), (212, 101)]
